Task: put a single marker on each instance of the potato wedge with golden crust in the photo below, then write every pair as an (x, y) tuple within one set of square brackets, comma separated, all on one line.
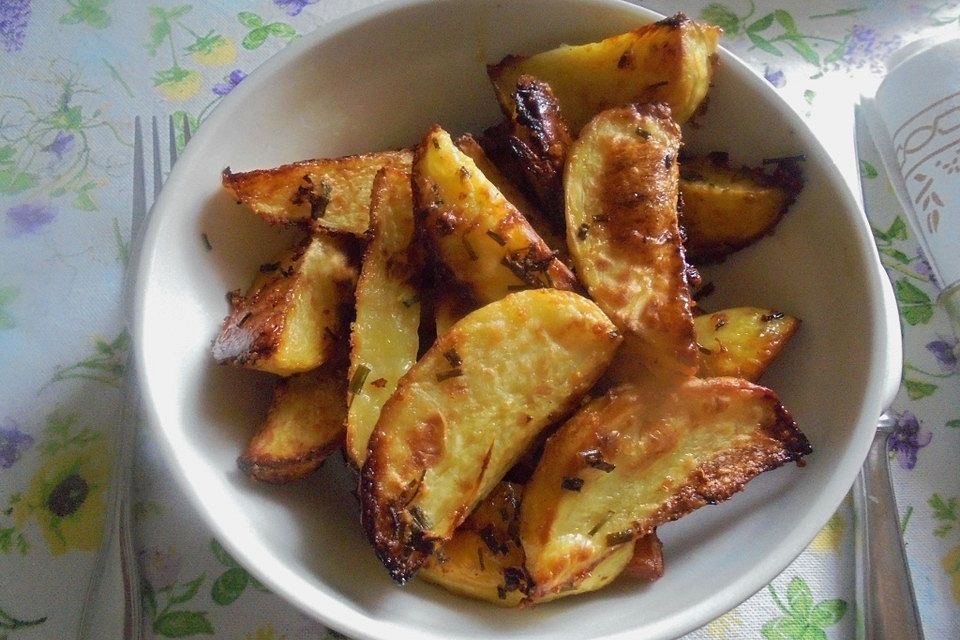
[(540, 140), (638, 457), (726, 208), (484, 559), (304, 425), (555, 239), (331, 193), (622, 230), (475, 232), (742, 341), (384, 336), (466, 411), (669, 61), (294, 313)]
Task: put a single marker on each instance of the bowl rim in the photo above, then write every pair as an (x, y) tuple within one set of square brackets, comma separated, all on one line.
[(340, 614)]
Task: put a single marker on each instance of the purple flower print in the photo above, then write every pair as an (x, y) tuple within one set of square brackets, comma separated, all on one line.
[(14, 15), (60, 145), (229, 82), (945, 351), (775, 77), (160, 567), (28, 218), (293, 7), (13, 443), (866, 48), (922, 266), (907, 439)]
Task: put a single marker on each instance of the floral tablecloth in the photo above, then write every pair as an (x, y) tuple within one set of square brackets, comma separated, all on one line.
[(75, 73)]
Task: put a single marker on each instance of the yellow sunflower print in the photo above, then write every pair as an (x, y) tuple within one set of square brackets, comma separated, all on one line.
[(67, 501), (951, 564)]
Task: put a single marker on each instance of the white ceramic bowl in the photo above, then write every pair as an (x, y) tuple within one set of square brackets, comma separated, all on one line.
[(378, 79)]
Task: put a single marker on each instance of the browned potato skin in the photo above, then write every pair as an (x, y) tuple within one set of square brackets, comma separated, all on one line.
[(670, 61), (482, 239), (304, 425), (262, 327), (727, 208), (624, 236), (331, 193), (742, 341), (540, 140), (497, 174), (443, 441), (484, 558), (705, 438)]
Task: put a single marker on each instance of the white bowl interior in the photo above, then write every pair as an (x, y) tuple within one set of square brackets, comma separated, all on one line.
[(376, 80)]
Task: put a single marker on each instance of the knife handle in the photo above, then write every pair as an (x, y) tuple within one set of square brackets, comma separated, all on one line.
[(886, 608)]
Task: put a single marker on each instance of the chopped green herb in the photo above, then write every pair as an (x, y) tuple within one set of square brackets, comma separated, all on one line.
[(594, 458), (619, 537), (469, 248), (600, 524), (419, 517), (453, 358), (359, 377), (496, 237), (446, 375)]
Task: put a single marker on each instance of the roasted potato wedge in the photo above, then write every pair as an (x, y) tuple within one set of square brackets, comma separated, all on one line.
[(384, 336), (466, 411), (482, 239), (303, 426), (622, 230), (669, 61), (540, 140), (641, 456), (332, 194), (484, 558), (294, 314), (545, 228), (726, 208), (741, 341)]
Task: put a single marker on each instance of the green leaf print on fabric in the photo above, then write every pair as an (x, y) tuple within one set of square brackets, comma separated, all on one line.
[(868, 171), (170, 621), (90, 12), (773, 33), (47, 150), (7, 295), (803, 618), (231, 584), (916, 307), (917, 389), (106, 365), (944, 512), (261, 31), (10, 623)]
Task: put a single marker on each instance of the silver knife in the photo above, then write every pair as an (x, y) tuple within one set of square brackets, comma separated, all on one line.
[(886, 604)]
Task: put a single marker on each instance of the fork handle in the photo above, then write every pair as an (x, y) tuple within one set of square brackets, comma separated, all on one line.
[(886, 608)]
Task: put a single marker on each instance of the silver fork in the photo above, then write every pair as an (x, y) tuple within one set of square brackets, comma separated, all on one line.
[(112, 607), (886, 605)]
